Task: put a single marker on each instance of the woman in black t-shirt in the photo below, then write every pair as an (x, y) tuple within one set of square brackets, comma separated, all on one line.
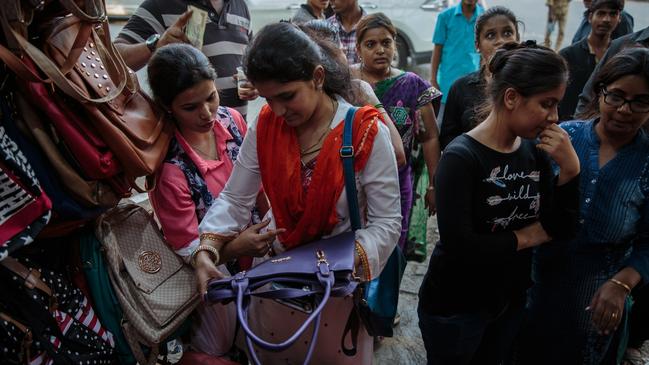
[(497, 197)]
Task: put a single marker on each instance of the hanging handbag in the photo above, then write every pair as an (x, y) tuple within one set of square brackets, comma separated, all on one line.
[(155, 288), (87, 191), (320, 270), (54, 315), (24, 207), (78, 57), (87, 149), (51, 169)]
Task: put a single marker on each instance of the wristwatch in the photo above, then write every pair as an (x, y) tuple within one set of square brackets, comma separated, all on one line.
[(152, 42)]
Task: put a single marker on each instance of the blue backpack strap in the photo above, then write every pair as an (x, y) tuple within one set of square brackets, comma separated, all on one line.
[(347, 156)]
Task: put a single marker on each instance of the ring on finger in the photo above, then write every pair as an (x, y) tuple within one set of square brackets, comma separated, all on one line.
[(614, 315)]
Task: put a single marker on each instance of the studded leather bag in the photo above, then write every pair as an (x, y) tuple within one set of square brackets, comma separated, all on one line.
[(83, 68), (156, 289)]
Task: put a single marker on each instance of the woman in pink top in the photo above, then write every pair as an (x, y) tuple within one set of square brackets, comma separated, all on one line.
[(199, 162)]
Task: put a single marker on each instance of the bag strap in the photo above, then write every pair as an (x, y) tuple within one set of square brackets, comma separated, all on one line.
[(135, 342), (347, 156), (31, 278)]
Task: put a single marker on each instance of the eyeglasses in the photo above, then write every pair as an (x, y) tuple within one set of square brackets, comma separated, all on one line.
[(636, 106)]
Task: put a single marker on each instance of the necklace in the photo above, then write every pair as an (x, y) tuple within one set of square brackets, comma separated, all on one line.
[(212, 147), (316, 146), (364, 77)]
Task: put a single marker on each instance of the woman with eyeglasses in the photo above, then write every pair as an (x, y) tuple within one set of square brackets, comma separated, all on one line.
[(579, 304)]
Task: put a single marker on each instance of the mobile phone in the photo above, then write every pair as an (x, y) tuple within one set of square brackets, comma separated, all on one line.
[(304, 304)]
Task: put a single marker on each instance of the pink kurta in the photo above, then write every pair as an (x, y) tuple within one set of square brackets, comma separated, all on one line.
[(171, 199)]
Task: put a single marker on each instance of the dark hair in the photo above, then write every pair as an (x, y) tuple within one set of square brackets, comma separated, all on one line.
[(527, 68), (175, 68), (322, 29), (282, 52), (610, 4), (492, 13), (630, 61), (373, 21)]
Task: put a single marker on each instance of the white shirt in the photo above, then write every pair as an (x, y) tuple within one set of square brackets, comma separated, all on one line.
[(378, 196)]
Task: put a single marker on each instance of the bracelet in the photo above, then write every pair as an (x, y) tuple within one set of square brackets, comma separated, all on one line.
[(430, 188), (211, 236), (365, 264), (379, 106), (623, 285), (213, 252)]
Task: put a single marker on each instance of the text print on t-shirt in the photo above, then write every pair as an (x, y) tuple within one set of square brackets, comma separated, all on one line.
[(519, 186)]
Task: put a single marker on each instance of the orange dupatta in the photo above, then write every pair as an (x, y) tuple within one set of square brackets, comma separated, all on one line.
[(307, 216)]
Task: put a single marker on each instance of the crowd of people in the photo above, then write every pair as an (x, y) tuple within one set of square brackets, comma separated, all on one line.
[(542, 225), (535, 163)]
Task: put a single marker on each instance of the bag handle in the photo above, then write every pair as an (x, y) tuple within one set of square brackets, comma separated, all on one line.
[(347, 156), (240, 285), (97, 8)]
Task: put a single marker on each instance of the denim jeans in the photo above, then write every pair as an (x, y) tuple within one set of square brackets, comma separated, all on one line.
[(470, 338)]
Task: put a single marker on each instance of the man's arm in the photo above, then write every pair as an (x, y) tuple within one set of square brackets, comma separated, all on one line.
[(436, 59), (137, 55)]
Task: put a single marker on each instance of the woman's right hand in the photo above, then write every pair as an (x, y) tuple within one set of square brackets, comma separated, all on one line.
[(556, 142), (252, 243), (531, 235), (205, 271)]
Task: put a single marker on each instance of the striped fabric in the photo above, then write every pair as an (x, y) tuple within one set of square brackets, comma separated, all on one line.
[(226, 37)]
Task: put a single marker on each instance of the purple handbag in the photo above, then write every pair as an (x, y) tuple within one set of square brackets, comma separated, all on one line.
[(322, 269)]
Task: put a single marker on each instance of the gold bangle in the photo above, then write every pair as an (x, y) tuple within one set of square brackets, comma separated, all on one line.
[(365, 264), (430, 188), (619, 283), (211, 236), (213, 251)]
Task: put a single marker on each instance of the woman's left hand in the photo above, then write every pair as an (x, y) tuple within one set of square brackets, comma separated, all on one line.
[(429, 202), (607, 307)]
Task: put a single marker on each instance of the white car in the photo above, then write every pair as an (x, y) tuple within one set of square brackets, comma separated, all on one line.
[(414, 20)]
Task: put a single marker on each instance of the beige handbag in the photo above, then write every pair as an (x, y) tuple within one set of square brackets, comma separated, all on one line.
[(156, 289)]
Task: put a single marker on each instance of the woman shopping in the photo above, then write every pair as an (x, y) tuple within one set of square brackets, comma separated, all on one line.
[(199, 162), (293, 150)]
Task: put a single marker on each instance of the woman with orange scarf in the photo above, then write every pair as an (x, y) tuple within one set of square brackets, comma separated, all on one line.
[(293, 150)]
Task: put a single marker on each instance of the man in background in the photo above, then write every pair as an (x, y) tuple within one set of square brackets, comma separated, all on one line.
[(583, 56), (454, 54), (347, 13), (624, 27), (159, 22), (557, 15)]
